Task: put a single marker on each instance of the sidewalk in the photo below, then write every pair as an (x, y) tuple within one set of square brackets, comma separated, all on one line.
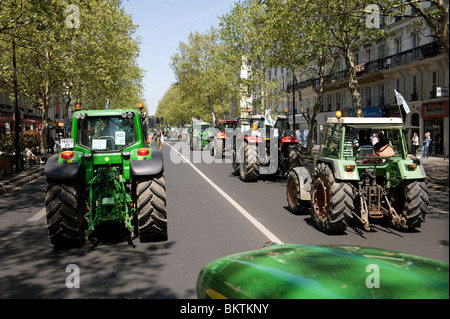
[(15, 179)]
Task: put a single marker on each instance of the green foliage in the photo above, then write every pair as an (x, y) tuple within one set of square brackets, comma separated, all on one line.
[(7, 144), (87, 55), (30, 139), (206, 80)]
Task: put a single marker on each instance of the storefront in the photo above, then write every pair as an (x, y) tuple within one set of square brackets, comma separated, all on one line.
[(435, 120)]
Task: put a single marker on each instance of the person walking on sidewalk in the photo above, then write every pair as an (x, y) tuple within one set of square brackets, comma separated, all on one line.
[(415, 143), (426, 145)]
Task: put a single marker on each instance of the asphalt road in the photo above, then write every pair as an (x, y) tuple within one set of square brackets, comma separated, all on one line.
[(211, 213)]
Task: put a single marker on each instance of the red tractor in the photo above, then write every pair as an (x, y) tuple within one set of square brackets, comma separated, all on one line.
[(221, 143), (262, 148)]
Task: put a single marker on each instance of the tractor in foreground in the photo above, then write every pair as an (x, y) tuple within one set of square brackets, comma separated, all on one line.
[(106, 174), (363, 182)]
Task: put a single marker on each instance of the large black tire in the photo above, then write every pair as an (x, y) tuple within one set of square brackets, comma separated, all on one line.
[(64, 218), (332, 201), (295, 204), (151, 208), (234, 165), (410, 200), (249, 169), (218, 148), (295, 156)]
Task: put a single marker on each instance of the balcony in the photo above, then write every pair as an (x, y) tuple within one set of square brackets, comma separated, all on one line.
[(423, 52)]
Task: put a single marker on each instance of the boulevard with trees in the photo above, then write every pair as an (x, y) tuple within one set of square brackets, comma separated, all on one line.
[(84, 52), (307, 38)]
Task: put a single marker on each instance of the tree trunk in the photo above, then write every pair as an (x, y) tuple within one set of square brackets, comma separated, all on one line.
[(353, 83)]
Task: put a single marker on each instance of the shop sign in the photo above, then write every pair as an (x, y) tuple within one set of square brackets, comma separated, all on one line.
[(434, 110)]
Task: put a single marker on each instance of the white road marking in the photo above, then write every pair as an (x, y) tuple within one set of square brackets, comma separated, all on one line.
[(247, 215), (37, 216)]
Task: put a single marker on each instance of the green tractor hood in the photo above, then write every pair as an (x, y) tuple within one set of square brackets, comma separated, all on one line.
[(332, 272)]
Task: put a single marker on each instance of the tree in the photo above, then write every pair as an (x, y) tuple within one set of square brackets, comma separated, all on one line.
[(434, 14), (247, 34), (79, 49), (203, 75)]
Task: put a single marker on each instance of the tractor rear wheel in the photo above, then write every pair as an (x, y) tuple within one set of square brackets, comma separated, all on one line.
[(295, 156), (249, 169), (235, 164), (218, 146), (411, 200), (332, 201), (64, 218), (151, 208)]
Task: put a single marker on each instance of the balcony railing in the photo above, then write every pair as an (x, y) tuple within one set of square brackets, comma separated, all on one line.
[(423, 52)]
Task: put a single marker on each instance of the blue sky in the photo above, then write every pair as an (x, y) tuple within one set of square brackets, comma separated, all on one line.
[(162, 26)]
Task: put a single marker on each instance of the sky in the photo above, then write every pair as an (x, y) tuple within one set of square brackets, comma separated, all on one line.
[(162, 26)]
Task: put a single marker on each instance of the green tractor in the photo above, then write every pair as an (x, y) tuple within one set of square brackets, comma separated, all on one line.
[(202, 134), (107, 174), (367, 182)]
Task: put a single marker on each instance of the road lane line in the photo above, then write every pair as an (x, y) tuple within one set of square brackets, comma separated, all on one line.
[(37, 216), (246, 214)]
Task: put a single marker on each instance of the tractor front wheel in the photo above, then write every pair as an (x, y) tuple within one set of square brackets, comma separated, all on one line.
[(151, 208)]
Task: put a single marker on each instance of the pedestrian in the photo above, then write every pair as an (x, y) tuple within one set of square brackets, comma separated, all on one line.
[(438, 147), (51, 145), (426, 145), (415, 143), (374, 139)]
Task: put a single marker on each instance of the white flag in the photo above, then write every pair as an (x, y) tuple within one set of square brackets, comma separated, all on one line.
[(270, 119), (401, 101)]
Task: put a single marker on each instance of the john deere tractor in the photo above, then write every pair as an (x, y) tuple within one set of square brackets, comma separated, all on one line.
[(106, 174), (202, 134), (355, 179)]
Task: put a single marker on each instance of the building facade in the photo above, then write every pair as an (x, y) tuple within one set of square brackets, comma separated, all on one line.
[(411, 62)]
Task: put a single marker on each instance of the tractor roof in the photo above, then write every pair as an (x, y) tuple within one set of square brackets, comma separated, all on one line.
[(368, 122)]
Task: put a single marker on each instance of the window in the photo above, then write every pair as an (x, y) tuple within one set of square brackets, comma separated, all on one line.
[(415, 40), (106, 133), (368, 97), (398, 45), (414, 96)]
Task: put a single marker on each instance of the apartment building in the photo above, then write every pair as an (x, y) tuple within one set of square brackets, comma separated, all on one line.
[(31, 118), (409, 61)]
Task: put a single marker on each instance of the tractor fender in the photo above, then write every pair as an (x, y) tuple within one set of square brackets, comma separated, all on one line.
[(304, 181), (288, 140), (332, 164), (253, 139), (56, 170), (153, 166)]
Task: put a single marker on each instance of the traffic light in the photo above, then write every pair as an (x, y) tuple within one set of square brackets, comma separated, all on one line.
[(162, 120)]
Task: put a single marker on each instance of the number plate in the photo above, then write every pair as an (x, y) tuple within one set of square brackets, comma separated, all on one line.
[(67, 143)]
